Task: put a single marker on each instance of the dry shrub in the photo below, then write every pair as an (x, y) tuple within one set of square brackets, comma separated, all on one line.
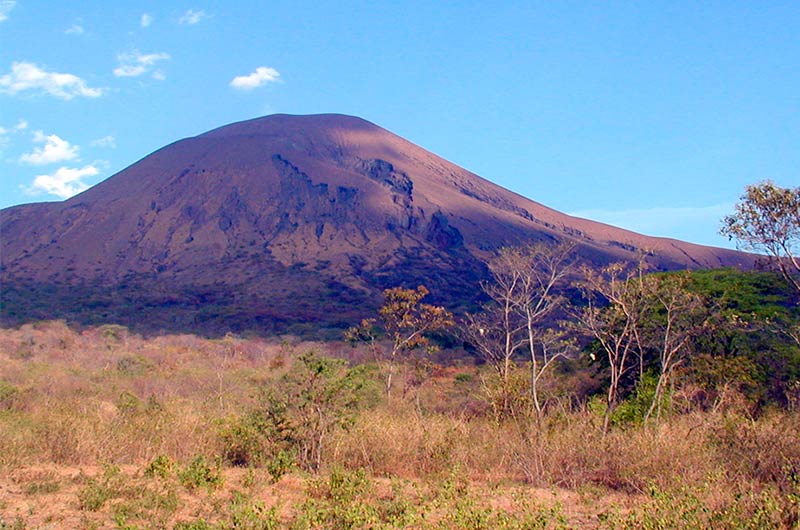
[(765, 450), (395, 440), (571, 451)]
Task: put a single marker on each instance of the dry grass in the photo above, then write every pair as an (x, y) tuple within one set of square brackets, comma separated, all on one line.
[(72, 403)]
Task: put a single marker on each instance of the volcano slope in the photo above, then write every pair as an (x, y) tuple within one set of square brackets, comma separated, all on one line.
[(283, 223)]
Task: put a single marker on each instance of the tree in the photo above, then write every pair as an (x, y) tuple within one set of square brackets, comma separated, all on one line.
[(643, 323), (767, 220), (612, 317), (522, 295), (673, 317), (406, 321), (317, 396)]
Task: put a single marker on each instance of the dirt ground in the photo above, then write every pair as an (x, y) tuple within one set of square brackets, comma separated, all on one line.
[(51, 497)]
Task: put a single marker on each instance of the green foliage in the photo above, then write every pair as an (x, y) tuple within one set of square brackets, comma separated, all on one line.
[(97, 491), (767, 221), (145, 504), (200, 474), (316, 397), (161, 466), (632, 410), (686, 509), (746, 344), (740, 339), (464, 377), (346, 500), (280, 464), (246, 514), (246, 440), (129, 404), (466, 514)]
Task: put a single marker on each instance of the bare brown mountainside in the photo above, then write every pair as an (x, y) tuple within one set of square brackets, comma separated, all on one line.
[(283, 223)]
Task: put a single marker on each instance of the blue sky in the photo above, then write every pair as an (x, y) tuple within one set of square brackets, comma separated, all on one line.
[(648, 115)]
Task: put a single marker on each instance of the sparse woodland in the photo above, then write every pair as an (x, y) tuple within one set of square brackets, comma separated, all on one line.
[(574, 398)]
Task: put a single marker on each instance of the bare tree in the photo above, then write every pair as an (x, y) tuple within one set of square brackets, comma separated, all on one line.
[(613, 317), (674, 317), (543, 269), (522, 295)]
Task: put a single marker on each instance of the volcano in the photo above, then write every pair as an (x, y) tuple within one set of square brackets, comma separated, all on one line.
[(284, 224)]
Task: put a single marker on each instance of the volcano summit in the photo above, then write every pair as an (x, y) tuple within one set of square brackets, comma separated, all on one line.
[(283, 223)]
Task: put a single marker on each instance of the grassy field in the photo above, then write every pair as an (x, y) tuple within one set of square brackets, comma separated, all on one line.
[(105, 429)]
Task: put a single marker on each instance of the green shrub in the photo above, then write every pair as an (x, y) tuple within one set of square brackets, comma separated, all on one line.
[(245, 441), (280, 464), (246, 514), (198, 474), (161, 466), (98, 490)]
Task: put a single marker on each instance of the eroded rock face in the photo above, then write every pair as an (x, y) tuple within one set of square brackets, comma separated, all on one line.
[(278, 223)]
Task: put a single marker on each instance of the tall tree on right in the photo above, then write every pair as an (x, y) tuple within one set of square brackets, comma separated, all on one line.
[(767, 221)]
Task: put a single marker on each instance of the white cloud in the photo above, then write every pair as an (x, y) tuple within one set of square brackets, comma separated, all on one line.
[(105, 141), (27, 76), (64, 183), (135, 64), (146, 20), (21, 125), (261, 76), (192, 17), (5, 7), (75, 29), (54, 150)]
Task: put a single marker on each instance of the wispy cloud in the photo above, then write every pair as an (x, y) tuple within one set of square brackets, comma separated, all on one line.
[(5, 133), (75, 29), (135, 63), (106, 141), (5, 8), (192, 17), (29, 77), (54, 150), (63, 183), (146, 20), (674, 222), (261, 76)]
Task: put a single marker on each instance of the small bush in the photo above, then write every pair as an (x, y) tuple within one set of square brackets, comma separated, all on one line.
[(198, 474), (161, 466), (8, 395), (245, 441), (97, 491), (133, 365), (246, 514), (280, 464)]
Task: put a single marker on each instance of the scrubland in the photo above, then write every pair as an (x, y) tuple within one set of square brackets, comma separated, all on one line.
[(100, 428)]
